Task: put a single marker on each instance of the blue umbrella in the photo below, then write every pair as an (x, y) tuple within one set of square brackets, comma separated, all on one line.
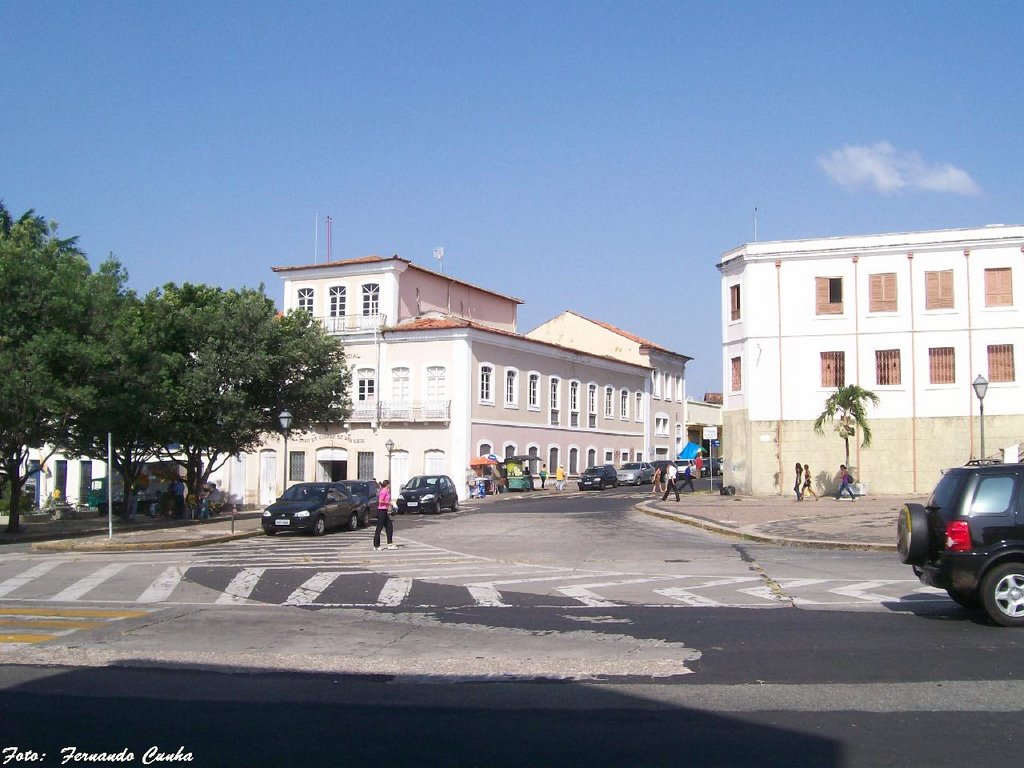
[(690, 451)]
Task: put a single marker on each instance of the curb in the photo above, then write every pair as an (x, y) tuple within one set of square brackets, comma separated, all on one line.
[(137, 546), (747, 535)]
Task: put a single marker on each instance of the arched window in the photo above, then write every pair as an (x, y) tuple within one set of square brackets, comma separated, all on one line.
[(371, 299), (306, 299), (487, 383), (336, 300)]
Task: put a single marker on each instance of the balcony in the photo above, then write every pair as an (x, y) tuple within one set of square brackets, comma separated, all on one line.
[(348, 324), (419, 411)]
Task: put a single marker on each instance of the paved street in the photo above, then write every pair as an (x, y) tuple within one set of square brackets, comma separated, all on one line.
[(572, 629)]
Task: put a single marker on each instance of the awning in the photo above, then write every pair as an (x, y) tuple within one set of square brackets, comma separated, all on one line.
[(690, 451), (482, 461)]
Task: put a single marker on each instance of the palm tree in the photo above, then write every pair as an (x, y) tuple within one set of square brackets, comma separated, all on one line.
[(846, 409)]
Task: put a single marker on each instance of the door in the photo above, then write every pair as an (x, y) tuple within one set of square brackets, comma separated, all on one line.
[(268, 477), (399, 471)]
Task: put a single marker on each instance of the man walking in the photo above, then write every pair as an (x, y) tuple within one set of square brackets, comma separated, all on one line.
[(688, 478), (560, 478), (670, 472)]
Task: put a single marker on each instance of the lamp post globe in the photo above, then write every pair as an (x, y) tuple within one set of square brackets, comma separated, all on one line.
[(285, 418), (980, 389)]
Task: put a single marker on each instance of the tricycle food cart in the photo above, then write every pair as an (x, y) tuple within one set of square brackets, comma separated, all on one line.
[(520, 471)]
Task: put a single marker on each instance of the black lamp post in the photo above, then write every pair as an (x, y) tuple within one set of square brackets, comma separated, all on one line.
[(390, 447), (980, 388), (286, 422)]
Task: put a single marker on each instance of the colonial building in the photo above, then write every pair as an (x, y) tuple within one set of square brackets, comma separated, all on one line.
[(913, 317)]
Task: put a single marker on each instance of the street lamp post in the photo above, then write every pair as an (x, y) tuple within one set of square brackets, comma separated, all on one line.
[(390, 447), (980, 388), (286, 422)]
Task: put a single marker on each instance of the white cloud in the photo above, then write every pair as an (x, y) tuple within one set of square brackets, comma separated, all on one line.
[(889, 170)]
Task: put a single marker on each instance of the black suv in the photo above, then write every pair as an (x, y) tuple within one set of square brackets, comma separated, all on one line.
[(969, 538), (600, 477)]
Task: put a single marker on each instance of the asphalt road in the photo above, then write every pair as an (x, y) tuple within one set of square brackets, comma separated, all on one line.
[(564, 630)]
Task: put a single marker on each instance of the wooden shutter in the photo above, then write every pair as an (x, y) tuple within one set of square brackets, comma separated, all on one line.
[(942, 365), (938, 293), (998, 287), (882, 292), (1000, 362)]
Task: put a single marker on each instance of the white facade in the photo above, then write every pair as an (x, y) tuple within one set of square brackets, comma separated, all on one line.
[(912, 317)]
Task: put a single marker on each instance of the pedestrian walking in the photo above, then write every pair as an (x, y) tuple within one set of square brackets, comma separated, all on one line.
[(560, 478), (659, 473), (384, 516), (543, 475), (807, 483), (798, 483), (670, 481), (845, 483), (699, 461), (687, 478)]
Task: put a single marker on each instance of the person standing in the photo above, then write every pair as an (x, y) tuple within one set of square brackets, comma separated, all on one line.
[(807, 483), (688, 478), (798, 483), (543, 475), (670, 481), (659, 474), (178, 492), (384, 516), (560, 478), (844, 483), (699, 461)]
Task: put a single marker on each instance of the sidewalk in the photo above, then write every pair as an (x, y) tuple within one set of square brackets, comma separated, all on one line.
[(92, 534), (869, 523)]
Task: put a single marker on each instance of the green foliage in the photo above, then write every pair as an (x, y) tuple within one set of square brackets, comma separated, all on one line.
[(846, 409)]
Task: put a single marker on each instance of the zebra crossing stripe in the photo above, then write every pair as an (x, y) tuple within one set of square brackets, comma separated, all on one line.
[(164, 585), (238, 591), (394, 591), (587, 597), (486, 595), (310, 591), (21, 580), (89, 583), (689, 597)]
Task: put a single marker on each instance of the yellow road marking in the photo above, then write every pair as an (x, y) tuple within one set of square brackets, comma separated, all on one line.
[(49, 624), (81, 613), (26, 638)]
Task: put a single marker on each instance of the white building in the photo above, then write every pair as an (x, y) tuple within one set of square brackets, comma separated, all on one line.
[(913, 317)]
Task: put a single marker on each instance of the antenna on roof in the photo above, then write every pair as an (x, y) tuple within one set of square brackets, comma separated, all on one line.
[(316, 237), (329, 239), (439, 255), (755, 224)]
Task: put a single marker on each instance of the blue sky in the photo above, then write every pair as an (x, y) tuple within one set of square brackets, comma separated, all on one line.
[(596, 157)]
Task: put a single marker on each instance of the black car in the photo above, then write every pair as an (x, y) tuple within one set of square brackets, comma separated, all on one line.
[(969, 538), (600, 477), (428, 493), (365, 491), (711, 467), (313, 508)]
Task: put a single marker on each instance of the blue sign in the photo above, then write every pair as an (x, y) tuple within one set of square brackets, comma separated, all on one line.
[(715, 443)]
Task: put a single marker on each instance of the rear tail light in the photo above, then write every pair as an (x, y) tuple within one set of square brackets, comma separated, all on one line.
[(958, 536)]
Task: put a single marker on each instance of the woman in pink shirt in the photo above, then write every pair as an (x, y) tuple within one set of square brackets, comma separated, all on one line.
[(384, 516)]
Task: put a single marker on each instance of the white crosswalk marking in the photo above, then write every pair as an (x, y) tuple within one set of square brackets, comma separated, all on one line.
[(486, 594), (394, 591), (238, 591), (859, 590), (688, 597), (785, 585), (89, 583), (310, 591), (164, 585), (31, 574), (587, 597)]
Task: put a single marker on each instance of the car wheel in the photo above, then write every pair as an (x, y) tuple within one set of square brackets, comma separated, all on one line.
[(1002, 593), (269, 531), (964, 598), (912, 534), (353, 521), (319, 526), (455, 504)]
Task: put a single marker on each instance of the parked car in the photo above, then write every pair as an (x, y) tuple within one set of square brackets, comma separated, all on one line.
[(682, 464), (712, 467), (969, 538), (313, 508), (428, 493), (636, 473), (365, 491), (600, 477)]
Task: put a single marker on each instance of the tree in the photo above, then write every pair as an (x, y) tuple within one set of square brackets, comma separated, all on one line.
[(45, 361), (846, 409), (232, 364)]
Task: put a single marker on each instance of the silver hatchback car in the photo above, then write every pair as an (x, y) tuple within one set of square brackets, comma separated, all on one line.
[(636, 473)]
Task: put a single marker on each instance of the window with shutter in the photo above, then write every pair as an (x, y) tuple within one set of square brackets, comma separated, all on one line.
[(998, 287), (828, 295), (887, 367), (737, 375), (882, 292), (938, 290), (941, 365), (1000, 362), (833, 369), (734, 302)]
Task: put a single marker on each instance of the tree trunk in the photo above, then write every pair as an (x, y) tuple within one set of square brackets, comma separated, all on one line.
[(17, 482)]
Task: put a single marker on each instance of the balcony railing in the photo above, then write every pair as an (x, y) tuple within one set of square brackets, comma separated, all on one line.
[(411, 411), (344, 324)]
